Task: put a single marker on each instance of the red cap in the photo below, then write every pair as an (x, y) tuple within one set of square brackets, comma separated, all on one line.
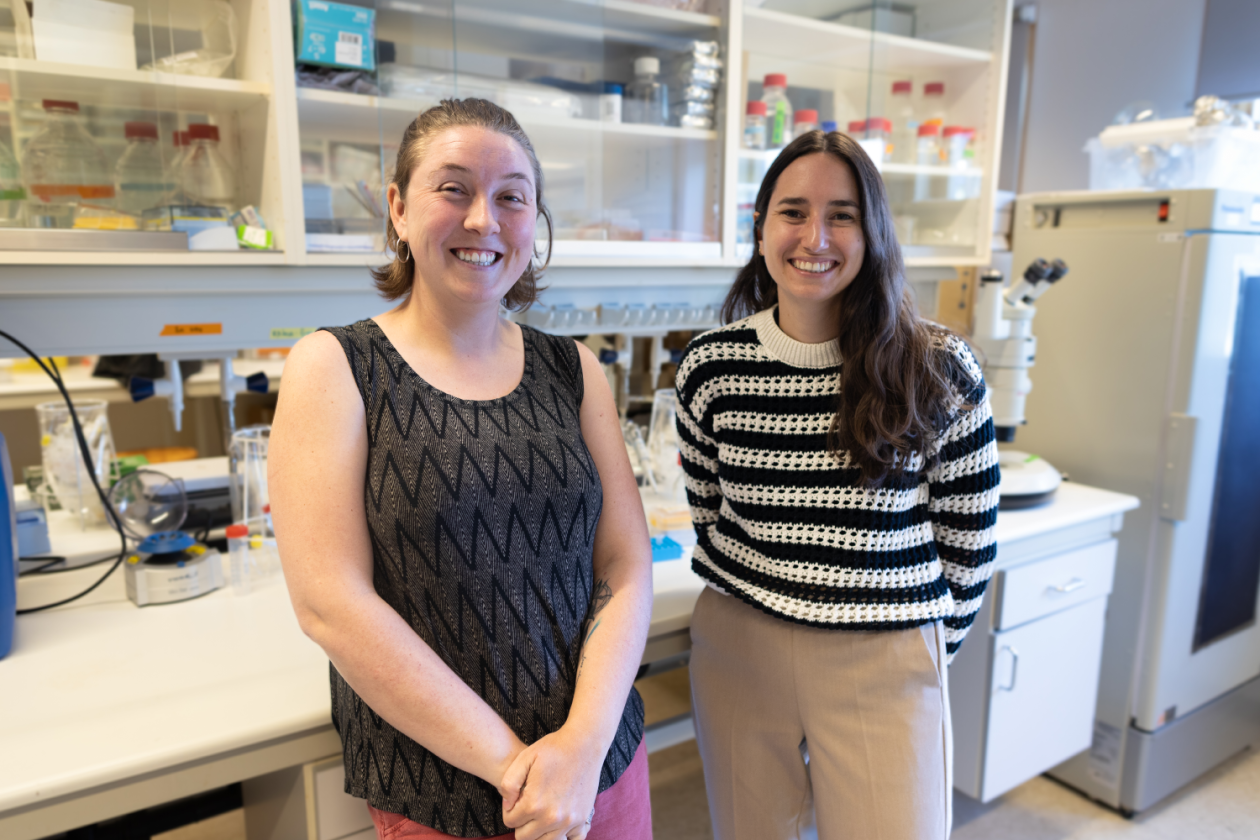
[(806, 115), (184, 139), (929, 129), (775, 80), (266, 508), (757, 107), (934, 89), (237, 531), (953, 130), (177, 138), (60, 105), (140, 129), (879, 124), (857, 125), (903, 87), (201, 131)]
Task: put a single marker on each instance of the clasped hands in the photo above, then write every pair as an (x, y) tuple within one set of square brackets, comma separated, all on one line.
[(550, 786)]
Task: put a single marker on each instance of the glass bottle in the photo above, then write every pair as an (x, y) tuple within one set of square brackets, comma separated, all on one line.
[(804, 121), (931, 108), (647, 99), (905, 134), (778, 111), (140, 179), (63, 167), (11, 191), (205, 176), (928, 153), (755, 125), (880, 128)]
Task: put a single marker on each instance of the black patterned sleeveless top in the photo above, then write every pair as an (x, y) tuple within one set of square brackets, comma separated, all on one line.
[(482, 515)]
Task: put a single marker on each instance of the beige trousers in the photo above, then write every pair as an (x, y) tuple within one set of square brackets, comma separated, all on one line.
[(869, 709)]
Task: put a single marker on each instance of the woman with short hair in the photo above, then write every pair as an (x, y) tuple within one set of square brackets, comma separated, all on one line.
[(842, 472), (459, 524)]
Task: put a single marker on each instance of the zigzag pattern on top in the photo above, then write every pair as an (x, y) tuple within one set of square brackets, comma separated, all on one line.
[(482, 516)]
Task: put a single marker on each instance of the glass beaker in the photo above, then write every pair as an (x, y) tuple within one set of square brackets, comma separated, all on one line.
[(663, 446), (64, 469), (248, 462)]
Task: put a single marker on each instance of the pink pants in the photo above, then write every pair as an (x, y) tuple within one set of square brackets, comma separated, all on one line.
[(623, 812)]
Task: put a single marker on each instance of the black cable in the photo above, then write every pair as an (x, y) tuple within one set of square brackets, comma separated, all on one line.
[(55, 375), (49, 560)]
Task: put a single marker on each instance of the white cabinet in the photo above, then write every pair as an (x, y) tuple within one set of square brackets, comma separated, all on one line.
[(1023, 686)]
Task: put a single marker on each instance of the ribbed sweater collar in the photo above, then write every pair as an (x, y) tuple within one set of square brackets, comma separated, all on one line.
[(790, 351)]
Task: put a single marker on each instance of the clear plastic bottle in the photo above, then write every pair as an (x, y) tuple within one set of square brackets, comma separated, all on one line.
[(62, 167), (931, 107), (647, 98), (244, 570), (140, 179), (905, 133), (958, 153), (803, 121), (880, 128), (11, 192), (205, 177), (928, 153), (779, 115), (755, 125)]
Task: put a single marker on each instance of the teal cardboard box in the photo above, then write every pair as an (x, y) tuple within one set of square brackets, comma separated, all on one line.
[(334, 34)]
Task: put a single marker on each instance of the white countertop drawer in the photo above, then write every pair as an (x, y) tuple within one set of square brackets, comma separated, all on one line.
[(1046, 586)]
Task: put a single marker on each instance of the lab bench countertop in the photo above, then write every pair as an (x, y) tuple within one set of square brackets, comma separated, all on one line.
[(103, 693)]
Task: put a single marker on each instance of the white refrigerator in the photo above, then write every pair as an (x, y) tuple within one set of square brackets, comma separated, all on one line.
[(1147, 381)]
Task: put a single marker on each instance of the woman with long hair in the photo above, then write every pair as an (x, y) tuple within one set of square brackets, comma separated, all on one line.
[(459, 523), (842, 473)]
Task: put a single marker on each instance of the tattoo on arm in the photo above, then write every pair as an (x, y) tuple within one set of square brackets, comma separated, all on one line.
[(599, 599)]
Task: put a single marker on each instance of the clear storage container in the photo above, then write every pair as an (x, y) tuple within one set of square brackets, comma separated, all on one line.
[(141, 180), (647, 98), (803, 121), (779, 116), (206, 178), (755, 125), (905, 128), (1175, 154), (63, 168)]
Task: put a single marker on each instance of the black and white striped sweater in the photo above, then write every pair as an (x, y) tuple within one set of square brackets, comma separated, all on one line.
[(784, 525)]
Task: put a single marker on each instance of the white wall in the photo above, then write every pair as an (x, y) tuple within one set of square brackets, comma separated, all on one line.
[(1093, 57)]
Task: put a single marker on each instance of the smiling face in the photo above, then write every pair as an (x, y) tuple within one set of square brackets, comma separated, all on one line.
[(469, 215), (812, 237)]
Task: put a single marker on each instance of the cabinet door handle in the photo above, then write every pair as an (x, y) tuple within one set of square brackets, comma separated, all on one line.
[(1014, 668), (1064, 588)]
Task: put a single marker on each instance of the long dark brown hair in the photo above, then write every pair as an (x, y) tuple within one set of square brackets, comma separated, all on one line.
[(899, 384), (395, 279)]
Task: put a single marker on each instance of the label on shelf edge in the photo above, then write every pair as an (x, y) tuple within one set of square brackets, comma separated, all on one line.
[(286, 333), (191, 329)]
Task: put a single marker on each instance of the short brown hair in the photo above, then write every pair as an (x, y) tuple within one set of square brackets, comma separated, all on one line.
[(395, 279)]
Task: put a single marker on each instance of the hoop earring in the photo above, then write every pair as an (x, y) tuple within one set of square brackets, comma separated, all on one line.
[(398, 251)]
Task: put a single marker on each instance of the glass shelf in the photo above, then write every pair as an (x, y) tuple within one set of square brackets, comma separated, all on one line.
[(616, 190), (846, 68), (117, 90)]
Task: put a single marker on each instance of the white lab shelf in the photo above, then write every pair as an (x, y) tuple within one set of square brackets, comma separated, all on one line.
[(357, 118), (36, 80), (620, 20), (767, 156), (675, 182), (800, 39)]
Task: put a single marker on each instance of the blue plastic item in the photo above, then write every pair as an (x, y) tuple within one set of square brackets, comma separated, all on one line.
[(166, 542), (664, 548), (335, 34), (8, 553)]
